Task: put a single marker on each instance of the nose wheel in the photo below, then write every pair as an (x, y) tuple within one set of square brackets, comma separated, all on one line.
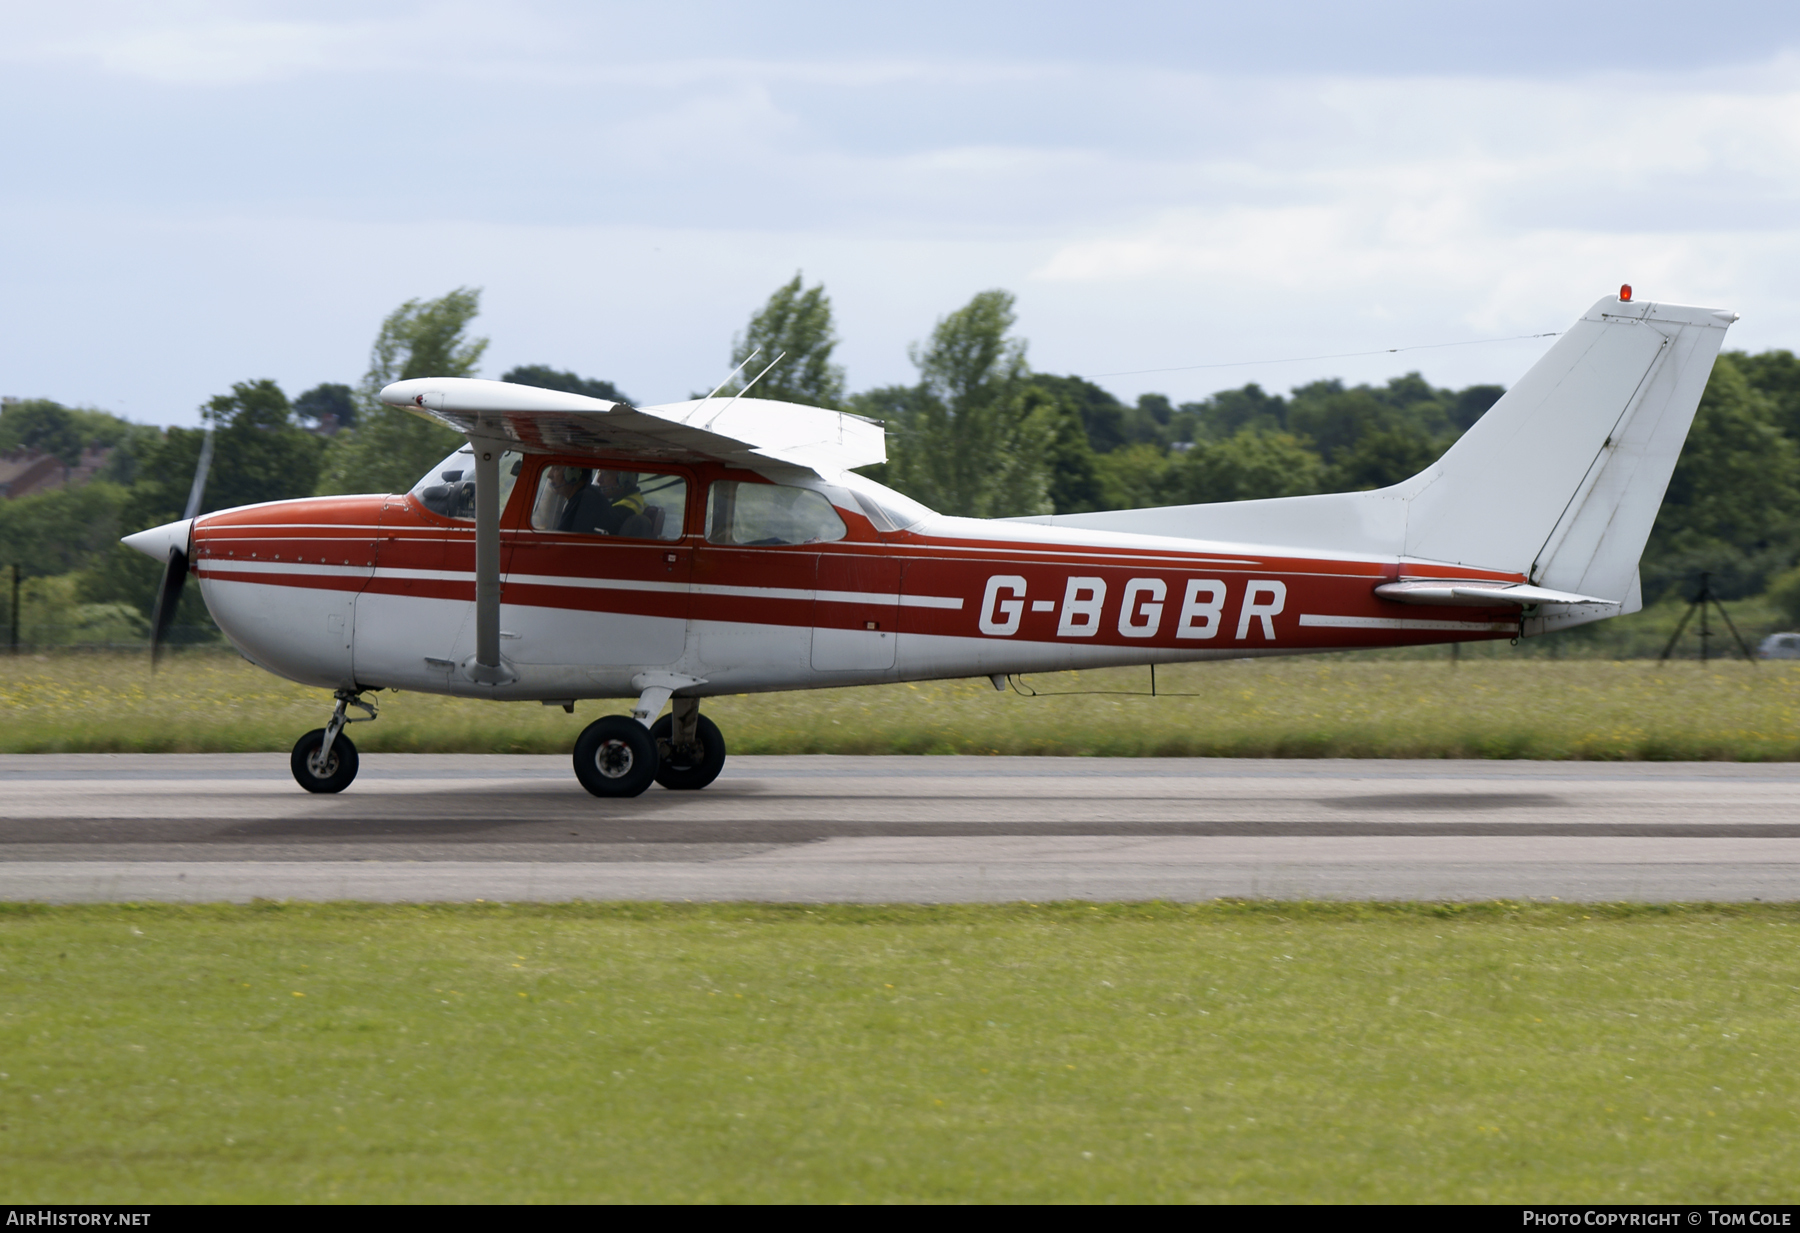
[(324, 760), (318, 769)]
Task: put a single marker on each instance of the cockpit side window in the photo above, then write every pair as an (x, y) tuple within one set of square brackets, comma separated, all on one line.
[(448, 489), (603, 501)]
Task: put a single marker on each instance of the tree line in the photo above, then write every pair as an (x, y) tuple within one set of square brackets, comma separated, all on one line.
[(978, 433)]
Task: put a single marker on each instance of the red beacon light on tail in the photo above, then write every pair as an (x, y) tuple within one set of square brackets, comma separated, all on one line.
[(1625, 293)]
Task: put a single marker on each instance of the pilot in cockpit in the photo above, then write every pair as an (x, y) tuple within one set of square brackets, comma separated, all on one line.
[(580, 504)]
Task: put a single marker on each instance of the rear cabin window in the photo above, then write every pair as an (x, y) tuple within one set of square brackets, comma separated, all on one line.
[(758, 515), (600, 501)]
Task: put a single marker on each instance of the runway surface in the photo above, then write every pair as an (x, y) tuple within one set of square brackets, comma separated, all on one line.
[(209, 827)]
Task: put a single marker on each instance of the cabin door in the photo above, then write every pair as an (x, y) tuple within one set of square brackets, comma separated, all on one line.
[(600, 573)]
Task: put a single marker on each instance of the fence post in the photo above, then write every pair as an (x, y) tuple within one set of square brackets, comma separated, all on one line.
[(15, 609)]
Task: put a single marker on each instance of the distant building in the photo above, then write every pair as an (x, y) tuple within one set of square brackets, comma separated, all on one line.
[(25, 473)]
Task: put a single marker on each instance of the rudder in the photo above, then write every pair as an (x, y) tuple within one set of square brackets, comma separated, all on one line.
[(1561, 480)]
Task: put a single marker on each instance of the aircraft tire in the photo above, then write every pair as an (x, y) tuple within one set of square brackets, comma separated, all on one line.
[(614, 756), (339, 773), (676, 772)]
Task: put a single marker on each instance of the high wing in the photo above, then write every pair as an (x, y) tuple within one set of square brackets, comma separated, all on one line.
[(747, 432)]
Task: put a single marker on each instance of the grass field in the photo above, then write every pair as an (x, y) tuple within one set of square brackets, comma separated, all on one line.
[(1324, 706), (1227, 1052)]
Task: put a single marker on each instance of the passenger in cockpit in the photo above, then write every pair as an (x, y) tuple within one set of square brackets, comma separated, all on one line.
[(625, 514)]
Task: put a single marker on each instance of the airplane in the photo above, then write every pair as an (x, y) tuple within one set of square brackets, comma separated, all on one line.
[(578, 549)]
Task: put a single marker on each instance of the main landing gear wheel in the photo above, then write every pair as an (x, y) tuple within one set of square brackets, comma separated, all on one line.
[(695, 766), (614, 756), (337, 770)]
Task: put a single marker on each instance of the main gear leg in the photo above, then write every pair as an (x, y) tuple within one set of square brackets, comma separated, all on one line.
[(690, 748)]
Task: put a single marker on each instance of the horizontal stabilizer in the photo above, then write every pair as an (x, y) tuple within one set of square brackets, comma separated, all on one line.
[(748, 432), (1477, 593)]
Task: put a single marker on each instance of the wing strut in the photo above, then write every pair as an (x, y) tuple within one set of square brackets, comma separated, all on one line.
[(487, 668)]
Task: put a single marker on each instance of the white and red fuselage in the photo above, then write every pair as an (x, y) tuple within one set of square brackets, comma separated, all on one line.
[(379, 591)]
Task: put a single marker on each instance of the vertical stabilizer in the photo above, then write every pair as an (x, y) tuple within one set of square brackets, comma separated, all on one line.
[(1562, 478)]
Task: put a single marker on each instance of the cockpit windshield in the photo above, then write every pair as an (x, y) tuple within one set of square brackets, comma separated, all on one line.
[(448, 489)]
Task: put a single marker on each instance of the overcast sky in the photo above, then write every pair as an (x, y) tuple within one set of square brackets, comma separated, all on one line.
[(195, 194)]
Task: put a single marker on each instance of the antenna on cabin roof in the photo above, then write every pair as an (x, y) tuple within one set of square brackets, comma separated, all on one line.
[(758, 377), (721, 385)]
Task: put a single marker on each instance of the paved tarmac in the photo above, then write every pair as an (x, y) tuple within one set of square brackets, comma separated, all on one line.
[(208, 827)]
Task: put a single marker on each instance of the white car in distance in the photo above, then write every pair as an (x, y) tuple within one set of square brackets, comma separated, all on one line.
[(1779, 646)]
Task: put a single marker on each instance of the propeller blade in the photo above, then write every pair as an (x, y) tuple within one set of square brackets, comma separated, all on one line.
[(200, 470), (168, 598), (168, 594)]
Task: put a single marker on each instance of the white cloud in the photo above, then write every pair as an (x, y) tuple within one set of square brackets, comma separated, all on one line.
[(227, 53), (212, 45), (1147, 215), (1484, 206)]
